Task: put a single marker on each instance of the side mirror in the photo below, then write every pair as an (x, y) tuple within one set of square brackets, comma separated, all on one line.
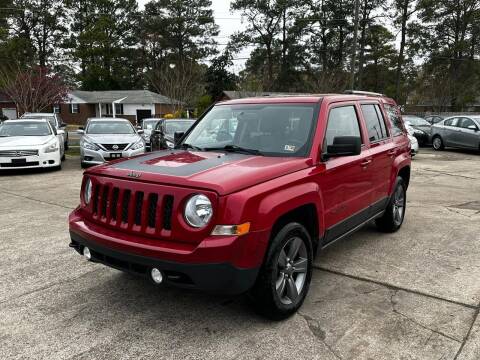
[(158, 131), (178, 136), (60, 132), (472, 127), (344, 146), (140, 132), (80, 131)]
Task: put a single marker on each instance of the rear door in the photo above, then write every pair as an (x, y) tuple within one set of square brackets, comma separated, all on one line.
[(382, 153), (346, 183)]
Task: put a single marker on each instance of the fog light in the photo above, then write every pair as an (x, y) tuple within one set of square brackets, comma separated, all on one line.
[(86, 253), (157, 276)]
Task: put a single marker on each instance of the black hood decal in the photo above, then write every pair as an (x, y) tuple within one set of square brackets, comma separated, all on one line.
[(190, 164)]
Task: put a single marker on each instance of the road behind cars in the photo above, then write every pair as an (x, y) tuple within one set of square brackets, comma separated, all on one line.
[(414, 294)]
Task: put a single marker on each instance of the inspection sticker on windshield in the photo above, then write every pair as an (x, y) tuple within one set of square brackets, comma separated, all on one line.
[(290, 148)]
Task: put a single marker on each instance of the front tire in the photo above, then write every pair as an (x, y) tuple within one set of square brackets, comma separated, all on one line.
[(394, 215), (285, 276), (437, 143)]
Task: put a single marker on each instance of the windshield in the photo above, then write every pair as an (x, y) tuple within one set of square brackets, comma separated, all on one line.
[(149, 124), (172, 126), (416, 121), (51, 119), (273, 129), (36, 128), (110, 127)]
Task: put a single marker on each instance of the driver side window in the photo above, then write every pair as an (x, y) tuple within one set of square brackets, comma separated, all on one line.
[(342, 121)]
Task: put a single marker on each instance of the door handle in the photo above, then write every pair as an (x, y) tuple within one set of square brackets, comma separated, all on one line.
[(366, 162)]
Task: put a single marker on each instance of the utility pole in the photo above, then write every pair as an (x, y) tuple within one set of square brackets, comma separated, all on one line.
[(355, 43)]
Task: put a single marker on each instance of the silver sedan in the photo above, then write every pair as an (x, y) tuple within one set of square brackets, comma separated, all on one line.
[(457, 131), (105, 139)]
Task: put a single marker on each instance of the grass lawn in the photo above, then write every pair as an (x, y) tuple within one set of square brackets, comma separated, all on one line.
[(73, 151)]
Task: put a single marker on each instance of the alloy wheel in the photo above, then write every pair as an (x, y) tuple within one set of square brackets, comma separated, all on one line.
[(292, 266), (437, 143), (398, 205)]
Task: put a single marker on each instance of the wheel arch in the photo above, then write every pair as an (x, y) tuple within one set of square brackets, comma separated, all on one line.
[(405, 173)]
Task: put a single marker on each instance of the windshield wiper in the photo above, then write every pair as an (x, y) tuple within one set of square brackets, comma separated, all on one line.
[(237, 149), (190, 146)]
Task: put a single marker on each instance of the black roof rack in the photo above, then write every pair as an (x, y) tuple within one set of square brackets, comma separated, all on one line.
[(366, 93)]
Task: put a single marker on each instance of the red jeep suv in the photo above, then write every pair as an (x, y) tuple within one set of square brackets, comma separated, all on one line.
[(248, 195)]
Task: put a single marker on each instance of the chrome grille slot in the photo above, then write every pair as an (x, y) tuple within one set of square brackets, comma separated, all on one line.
[(18, 153)]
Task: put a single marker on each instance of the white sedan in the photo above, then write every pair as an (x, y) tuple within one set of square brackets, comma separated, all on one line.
[(30, 143)]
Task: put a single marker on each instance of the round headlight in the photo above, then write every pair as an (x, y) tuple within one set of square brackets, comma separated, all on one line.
[(87, 191), (198, 211)]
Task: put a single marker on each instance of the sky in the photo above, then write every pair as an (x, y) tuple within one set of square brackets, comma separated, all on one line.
[(228, 24)]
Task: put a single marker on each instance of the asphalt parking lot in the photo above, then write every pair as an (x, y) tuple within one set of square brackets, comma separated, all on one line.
[(410, 295)]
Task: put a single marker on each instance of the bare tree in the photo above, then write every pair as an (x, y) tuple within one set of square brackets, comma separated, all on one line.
[(34, 89), (182, 82)]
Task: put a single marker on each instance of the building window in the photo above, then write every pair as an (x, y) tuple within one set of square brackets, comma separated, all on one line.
[(74, 108), (108, 108), (119, 109), (57, 109)]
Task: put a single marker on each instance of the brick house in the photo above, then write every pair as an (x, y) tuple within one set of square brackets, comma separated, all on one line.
[(133, 105), (8, 108)]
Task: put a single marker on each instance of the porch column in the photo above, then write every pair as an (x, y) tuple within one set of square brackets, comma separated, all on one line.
[(113, 110), (99, 110)]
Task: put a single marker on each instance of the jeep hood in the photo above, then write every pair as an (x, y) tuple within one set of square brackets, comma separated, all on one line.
[(218, 171)]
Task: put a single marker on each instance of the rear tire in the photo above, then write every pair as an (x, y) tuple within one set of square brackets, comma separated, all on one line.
[(394, 215), (285, 276), (437, 143), (83, 165), (66, 146)]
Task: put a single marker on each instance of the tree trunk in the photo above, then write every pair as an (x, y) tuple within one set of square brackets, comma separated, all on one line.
[(363, 38), (401, 54)]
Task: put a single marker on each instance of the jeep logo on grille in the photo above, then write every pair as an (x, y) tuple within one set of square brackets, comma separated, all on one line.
[(115, 147), (134, 175)]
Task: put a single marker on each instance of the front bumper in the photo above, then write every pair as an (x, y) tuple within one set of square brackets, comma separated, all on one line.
[(92, 157), (222, 278), (227, 265), (423, 139), (42, 160)]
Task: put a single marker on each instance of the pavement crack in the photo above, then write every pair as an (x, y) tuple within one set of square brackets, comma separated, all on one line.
[(393, 287), (348, 296), (393, 303), (36, 200), (449, 174), (46, 287), (457, 212), (318, 332), (467, 336)]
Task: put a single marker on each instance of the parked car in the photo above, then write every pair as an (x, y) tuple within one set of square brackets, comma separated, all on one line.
[(164, 134), (30, 143), (413, 140), (246, 210), (105, 139), (148, 125), (433, 119), (457, 131), (55, 120), (421, 127)]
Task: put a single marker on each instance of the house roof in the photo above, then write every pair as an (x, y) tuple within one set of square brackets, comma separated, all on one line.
[(128, 96), (234, 95)]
